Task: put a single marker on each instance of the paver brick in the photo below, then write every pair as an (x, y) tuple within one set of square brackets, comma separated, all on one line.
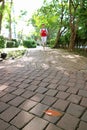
[(12, 128), (41, 90), (36, 124), (32, 87), (15, 84), (27, 105), (35, 82), (82, 126), (17, 101), (46, 80), (28, 94), (84, 102), (3, 106), (68, 122), (10, 89), (3, 125), (2, 93), (62, 87), (82, 93), (19, 91), (39, 78), (70, 84), (43, 84), (62, 95), (9, 113), (52, 86), (74, 98), (39, 109), (75, 110), (7, 97), (27, 81), (61, 104), (63, 81), (48, 100), (73, 90), (79, 85), (23, 85), (52, 127), (22, 119), (38, 97), (51, 92), (54, 81), (2, 87), (84, 117)]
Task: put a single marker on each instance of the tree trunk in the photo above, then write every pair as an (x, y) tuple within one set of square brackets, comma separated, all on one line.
[(1, 13), (73, 25), (10, 21), (72, 37), (56, 45)]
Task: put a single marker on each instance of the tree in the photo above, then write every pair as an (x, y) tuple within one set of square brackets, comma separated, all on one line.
[(1, 12), (10, 20), (73, 6), (61, 23)]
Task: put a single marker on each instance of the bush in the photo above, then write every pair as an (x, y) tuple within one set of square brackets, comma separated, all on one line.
[(51, 43), (29, 44), (15, 42), (2, 42), (10, 44)]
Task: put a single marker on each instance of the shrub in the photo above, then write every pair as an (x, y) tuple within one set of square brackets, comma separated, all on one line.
[(10, 44), (51, 43), (16, 44), (29, 43), (2, 42)]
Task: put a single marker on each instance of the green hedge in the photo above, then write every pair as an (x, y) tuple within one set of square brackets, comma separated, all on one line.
[(2, 42), (16, 43), (29, 43), (11, 44)]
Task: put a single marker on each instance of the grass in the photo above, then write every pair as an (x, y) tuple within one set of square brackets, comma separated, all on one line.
[(14, 53)]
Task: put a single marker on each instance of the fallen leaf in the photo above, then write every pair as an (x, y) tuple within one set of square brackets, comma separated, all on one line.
[(52, 113)]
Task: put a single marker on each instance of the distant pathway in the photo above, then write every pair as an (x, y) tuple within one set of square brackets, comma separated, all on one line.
[(54, 58)]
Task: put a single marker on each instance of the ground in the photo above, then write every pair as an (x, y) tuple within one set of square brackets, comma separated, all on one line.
[(42, 80)]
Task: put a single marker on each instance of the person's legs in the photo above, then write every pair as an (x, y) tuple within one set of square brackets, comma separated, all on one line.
[(44, 39)]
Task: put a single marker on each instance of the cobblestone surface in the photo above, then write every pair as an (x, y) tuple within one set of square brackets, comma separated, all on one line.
[(42, 80)]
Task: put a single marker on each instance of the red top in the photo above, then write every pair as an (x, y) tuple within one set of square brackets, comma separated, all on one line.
[(43, 32)]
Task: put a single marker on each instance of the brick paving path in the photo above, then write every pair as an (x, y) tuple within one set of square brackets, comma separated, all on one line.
[(41, 80)]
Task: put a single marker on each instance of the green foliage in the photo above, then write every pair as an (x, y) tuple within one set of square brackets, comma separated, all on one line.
[(10, 44), (16, 53), (16, 44), (29, 43), (2, 42), (51, 43)]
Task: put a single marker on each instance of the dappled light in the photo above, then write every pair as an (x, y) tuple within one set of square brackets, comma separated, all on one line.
[(38, 58), (2, 87), (39, 89)]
